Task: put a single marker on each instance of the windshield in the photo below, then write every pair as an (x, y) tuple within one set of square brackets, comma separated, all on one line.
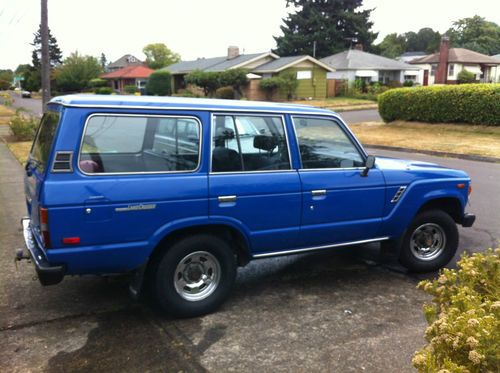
[(44, 138)]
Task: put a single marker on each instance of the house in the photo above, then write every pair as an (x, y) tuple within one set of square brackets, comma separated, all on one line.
[(124, 61), (310, 72), (443, 67), (131, 75), (355, 64), (410, 56)]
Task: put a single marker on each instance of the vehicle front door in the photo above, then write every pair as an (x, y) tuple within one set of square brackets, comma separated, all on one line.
[(339, 204)]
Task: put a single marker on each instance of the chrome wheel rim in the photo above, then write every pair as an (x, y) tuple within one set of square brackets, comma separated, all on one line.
[(427, 241), (197, 276)]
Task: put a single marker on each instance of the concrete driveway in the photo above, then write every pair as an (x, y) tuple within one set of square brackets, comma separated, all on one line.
[(345, 310)]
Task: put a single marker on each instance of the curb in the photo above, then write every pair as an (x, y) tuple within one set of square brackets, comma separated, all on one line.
[(467, 157)]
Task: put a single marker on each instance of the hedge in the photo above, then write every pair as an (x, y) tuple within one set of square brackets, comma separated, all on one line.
[(466, 103)]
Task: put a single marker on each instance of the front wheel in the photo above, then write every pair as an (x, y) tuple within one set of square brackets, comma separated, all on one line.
[(194, 276), (430, 242)]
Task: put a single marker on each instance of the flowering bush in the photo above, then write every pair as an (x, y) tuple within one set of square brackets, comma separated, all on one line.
[(464, 318)]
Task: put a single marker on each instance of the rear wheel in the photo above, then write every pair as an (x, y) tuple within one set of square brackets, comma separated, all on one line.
[(430, 242), (194, 276)]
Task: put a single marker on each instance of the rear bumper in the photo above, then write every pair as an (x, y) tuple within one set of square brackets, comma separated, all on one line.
[(47, 274), (468, 220)]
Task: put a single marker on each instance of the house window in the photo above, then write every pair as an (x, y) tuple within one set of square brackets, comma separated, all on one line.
[(307, 74), (451, 69), (433, 70)]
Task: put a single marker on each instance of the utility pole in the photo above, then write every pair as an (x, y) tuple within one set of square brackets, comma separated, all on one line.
[(45, 56)]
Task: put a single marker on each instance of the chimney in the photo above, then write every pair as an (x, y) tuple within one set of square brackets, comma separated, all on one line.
[(358, 47), (232, 52), (442, 69)]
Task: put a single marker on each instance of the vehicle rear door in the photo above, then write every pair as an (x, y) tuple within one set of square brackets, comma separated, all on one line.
[(252, 184)]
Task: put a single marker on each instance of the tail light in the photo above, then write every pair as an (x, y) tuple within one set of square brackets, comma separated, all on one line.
[(44, 226)]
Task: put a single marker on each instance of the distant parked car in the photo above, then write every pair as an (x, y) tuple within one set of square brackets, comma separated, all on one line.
[(26, 94)]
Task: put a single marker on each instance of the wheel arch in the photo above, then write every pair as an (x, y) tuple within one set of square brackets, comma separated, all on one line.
[(451, 205)]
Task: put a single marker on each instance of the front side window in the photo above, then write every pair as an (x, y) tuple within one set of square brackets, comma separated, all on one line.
[(40, 151), (324, 144), (451, 69), (249, 143), (137, 144)]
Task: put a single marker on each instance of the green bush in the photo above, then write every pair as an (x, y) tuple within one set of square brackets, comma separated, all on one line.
[(408, 83), (225, 93), (209, 81), (468, 103), (130, 89), (98, 82), (270, 86), (235, 78), (289, 83), (23, 126), (159, 83), (464, 77), (103, 91), (464, 319), (4, 85)]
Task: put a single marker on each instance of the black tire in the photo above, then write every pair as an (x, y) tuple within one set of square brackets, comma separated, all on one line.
[(427, 227), (199, 250)]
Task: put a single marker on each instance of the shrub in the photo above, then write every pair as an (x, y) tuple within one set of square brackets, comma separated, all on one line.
[(225, 92), (23, 127), (464, 77), (270, 86), (103, 91), (97, 82), (470, 103), (4, 85), (464, 319), (209, 81), (289, 83), (236, 78), (408, 83), (131, 89), (159, 83)]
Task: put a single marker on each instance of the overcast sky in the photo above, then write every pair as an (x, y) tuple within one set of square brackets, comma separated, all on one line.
[(196, 28)]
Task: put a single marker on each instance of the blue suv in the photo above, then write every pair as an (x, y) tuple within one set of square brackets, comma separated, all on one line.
[(179, 192)]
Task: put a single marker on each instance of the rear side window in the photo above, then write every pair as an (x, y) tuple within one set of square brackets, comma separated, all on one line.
[(139, 144), (44, 139), (249, 143)]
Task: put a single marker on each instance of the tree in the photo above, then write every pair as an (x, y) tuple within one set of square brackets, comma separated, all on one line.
[(209, 81), (7, 75), (32, 79), (392, 46), (55, 54), (103, 61), (476, 34), (289, 83), (159, 83), (333, 25), (158, 56), (77, 71)]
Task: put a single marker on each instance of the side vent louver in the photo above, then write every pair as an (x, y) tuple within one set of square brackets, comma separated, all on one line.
[(63, 162), (398, 194)]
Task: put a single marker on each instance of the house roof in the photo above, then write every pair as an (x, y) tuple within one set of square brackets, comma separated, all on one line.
[(460, 55), (354, 59), (215, 63), (131, 72), (125, 60), (413, 54), (496, 56), (283, 63), (155, 102)]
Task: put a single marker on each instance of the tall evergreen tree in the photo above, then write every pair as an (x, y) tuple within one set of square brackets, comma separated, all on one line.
[(334, 25), (55, 54), (104, 62)]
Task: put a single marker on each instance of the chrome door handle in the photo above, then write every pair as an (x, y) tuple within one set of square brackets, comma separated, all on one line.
[(222, 199), (318, 193)]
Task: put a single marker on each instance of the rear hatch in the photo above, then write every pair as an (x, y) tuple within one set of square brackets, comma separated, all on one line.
[(37, 167)]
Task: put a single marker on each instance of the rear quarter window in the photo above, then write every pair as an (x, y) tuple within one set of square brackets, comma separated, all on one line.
[(44, 139)]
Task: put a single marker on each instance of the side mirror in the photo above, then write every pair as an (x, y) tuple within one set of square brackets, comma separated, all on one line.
[(370, 163)]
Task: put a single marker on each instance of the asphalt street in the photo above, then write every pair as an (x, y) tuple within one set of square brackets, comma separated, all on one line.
[(344, 310)]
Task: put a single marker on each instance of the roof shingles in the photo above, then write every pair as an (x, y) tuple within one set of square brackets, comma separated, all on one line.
[(354, 59), (458, 55)]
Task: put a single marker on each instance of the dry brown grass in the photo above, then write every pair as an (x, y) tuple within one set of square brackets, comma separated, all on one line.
[(5, 114), (340, 103), (450, 138), (20, 150)]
